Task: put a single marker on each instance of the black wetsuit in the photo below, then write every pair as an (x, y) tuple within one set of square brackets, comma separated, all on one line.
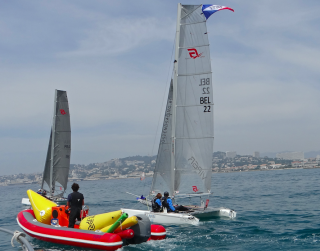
[(75, 200), (168, 204)]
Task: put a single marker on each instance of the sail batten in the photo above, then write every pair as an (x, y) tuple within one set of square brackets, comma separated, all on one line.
[(196, 138), (194, 23), (195, 46), (193, 74)]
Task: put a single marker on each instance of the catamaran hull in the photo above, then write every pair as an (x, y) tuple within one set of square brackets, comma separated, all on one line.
[(214, 212), (67, 236), (165, 218), (202, 213)]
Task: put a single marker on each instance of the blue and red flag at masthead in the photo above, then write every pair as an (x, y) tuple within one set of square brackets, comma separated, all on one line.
[(208, 9)]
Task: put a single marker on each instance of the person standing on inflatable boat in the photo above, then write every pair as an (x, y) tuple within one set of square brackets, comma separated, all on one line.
[(75, 203)]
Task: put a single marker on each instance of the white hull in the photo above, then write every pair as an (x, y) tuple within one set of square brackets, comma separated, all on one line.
[(164, 218), (26, 202), (214, 212), (200, 212)]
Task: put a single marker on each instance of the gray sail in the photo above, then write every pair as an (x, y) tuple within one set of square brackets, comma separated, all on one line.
[(58, 157), (191, 140), (162, 174)]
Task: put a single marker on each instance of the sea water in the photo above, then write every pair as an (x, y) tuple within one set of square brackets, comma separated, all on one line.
[(276, 210)]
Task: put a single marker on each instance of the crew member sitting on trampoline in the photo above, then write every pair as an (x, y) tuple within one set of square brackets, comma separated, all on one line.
[(167, 202), (156, 203)]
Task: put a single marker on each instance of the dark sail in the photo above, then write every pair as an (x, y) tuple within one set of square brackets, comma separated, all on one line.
[(57, 164)]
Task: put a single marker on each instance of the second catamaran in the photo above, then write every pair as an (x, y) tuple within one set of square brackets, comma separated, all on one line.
[(56, 170)]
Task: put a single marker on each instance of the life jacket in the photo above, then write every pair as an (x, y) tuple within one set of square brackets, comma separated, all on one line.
[(165, 203), (76, 201), (155, 205)]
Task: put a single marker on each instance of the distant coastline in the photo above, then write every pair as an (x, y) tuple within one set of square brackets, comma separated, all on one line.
[(138, 176), (135, 166)]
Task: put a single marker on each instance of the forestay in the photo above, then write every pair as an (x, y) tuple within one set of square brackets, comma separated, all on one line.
[(57, 167), (184, 163)]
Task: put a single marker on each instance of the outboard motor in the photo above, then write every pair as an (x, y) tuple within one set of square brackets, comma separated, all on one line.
[(142, 231)]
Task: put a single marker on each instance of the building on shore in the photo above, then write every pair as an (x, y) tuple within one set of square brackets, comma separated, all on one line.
[(231, 154), (219, 155), (291, 155), (256, 155)]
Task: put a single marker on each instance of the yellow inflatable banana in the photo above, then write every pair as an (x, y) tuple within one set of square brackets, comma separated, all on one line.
[(41, 206), (131, 221), (96, 222)]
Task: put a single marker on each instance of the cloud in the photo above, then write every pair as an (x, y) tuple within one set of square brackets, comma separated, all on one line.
[(114, 62), (120, 35)]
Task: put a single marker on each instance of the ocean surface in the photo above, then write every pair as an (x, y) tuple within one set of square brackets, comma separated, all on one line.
[(276, 210)]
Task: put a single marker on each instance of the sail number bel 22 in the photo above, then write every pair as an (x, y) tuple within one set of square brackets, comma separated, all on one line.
[(206, 90)]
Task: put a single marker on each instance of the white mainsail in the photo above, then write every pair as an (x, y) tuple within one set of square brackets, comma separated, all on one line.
[(184, 163), (57, 164)]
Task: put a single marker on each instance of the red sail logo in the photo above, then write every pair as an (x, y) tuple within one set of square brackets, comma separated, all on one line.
[(62, 112), (195, 189), (194, 53)]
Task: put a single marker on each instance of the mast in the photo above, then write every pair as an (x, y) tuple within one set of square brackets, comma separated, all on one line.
[(53, 144), (174, 100)]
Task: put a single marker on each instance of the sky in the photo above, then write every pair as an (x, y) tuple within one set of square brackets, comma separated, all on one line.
[(114, 59)]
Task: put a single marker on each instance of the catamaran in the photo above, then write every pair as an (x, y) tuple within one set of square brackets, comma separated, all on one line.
[(184, 160), (56, 170)]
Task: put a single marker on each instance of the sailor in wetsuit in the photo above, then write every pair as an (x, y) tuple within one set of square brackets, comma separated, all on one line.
[(75, 203), (167, 202), (156, 203), (43, 193)]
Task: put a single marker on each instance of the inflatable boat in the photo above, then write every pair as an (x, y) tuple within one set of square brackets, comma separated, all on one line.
[(67, 236), (109, 231)]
